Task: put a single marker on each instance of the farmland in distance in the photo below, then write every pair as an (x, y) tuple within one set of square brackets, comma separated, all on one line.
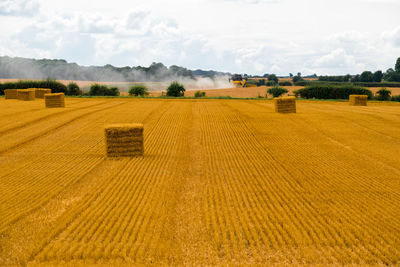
[(221, 182)]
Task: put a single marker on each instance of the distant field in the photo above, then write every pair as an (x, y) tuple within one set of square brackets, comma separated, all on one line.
[(241, 92), (222, 182)]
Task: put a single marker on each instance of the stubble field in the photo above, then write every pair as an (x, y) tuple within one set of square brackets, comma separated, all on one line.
[(221, 182)]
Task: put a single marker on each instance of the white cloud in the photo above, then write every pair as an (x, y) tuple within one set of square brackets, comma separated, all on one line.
[(254, 1), (19, 7), (248, 36), (393, 36), (336, 58)]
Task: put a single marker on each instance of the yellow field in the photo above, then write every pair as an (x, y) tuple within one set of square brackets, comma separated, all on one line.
[(222, 182)]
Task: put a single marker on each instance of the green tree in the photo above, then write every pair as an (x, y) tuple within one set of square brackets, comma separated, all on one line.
[(297, 78), (261, 82), (355, 79), (175, 89), (97, 89), (112, 91), (102, 90), (397, 66), (273, 77), (377, 77), (366, 76), (73, 89), (138, 90), (393, 77), (277, 91)]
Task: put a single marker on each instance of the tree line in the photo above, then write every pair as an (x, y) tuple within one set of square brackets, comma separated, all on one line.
[(60, 69), (391, 75)]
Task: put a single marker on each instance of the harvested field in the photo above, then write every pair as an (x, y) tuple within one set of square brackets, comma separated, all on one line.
[(221, 182)]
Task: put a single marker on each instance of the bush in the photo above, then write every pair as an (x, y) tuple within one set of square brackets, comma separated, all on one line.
[(285, 83), (301, 83), (102, 90), (261, 82), (396, 98), (330, 91), (277, 91), (361, 84), (373, 84), (383, 94), (297, 79), (56, 87), (340, 78), (251, 82), (199, 94), (296, 93), (73, 89), (175, 89), (113, 91), (138, 90), (270, 83)]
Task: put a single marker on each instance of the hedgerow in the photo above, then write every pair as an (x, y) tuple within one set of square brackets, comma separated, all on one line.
[(56, 87), (329, 91)]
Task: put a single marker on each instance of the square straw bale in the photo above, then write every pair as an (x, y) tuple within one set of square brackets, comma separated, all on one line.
[(54, 100), (11, 93), (26, 94), (124, 140), (40, 92), (285, 104), (358, 100)]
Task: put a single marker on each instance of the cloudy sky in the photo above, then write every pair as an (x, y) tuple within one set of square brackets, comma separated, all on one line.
[(244, 36)]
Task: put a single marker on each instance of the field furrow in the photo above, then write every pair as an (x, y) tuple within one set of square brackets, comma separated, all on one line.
[(14, 121), (75, 156), (132, 209)]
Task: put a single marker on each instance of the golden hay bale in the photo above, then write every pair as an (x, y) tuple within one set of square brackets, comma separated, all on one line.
[(54, 100), (285, 104), (26, 94), (11, 93), (40, 92), (124, 140), (358, 100)]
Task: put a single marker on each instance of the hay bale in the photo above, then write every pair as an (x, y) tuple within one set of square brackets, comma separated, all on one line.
[(358, 100), (40, 92), (11, 93), (54, 100), (26, 94), (124, 140), (285, 104)]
